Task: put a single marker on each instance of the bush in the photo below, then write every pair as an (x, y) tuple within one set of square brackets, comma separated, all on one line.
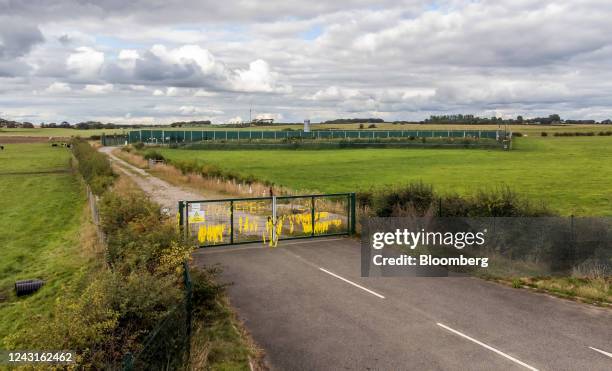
[(544, 134), (418, 199), (416, 196), (372, 126), (126, 301), (154, 155), (138, 145), (517, 134), (211, 170), (583, 134), (93, 166)]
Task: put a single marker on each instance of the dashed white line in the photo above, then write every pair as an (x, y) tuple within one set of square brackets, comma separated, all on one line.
[(488, 347), (602, 352), (351, 283)]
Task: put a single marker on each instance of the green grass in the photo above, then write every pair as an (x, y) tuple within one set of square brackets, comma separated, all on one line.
[(40, 219), (57, 132), (571, 175)]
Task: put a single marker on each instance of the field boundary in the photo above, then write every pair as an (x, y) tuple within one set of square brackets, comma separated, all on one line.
[(176, 136)]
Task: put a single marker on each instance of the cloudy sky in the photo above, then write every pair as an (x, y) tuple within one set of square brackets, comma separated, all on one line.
[(158, 61)]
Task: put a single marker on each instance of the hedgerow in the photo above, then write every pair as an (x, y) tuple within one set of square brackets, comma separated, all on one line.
[(93, 166), (419, 199)]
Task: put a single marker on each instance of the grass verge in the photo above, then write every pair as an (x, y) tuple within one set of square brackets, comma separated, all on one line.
[(45, 232)]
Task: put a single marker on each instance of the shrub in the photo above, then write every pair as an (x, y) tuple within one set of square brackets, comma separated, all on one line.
[(93, 166), (517, 134), (138, 145), (124, 302), (153, 155), (372, 126), (544, 134), (418, 199), (417, 196)]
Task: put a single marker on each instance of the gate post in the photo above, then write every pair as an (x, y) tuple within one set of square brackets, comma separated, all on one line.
[(180, 215), (232, 222), (312, 215), (353, 216)]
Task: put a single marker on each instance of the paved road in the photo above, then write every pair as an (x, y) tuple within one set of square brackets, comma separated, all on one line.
[(305, 303), (301, 304)]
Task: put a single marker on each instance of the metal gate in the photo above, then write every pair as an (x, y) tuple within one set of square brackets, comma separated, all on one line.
[(267, 219)]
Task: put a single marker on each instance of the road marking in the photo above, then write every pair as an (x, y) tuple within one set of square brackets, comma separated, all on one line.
[(488, 347), (315, 240), (352, 283), (226, 249), (602, 352)]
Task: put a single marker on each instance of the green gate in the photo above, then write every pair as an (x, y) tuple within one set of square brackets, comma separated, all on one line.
[(267, 219)]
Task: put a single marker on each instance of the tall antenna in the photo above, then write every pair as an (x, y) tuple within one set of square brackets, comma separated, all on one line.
[(250, 109)]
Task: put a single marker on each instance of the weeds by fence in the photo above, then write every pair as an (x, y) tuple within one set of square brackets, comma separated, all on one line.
[(168, 345), (92, 200)]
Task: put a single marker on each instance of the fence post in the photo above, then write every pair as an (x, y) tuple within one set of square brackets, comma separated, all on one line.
[(180, 215), (188, 309), (312, 215), (353, 214), (232, 222)]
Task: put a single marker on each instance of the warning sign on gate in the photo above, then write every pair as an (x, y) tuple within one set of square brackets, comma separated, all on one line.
[(195, 215)]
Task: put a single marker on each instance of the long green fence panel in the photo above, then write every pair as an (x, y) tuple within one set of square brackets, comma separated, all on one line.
[(181, 136)]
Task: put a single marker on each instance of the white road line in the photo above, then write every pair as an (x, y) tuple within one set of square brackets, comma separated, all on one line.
[(352, 283), (602, 352), (488, 347), (315, 240)]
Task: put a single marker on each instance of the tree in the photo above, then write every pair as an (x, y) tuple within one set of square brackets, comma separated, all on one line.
[(519, 118), (554, 117)]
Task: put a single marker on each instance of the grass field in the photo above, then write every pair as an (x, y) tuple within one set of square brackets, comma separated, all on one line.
[(572, 175), (525, 129), (56, 132), (40, 224)]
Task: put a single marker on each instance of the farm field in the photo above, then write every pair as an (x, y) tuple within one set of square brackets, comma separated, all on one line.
[(525, 129), (40, 223), (55, 132), (572, 175)]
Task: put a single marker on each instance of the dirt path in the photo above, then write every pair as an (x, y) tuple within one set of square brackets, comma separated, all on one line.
[(160, 191)]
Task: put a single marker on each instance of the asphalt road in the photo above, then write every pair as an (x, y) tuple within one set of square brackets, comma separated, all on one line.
[(306, 305)]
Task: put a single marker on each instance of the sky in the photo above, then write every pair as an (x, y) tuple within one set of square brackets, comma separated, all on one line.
[(160, 61)]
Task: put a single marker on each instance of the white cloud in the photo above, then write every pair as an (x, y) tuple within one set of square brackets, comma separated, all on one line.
[(235, 120), (268, 116), (128, 54), (98, 89), (399, 60), (258, 78), (85, 62), (193, 110), (204, 93), (334, 93), (58, 88)]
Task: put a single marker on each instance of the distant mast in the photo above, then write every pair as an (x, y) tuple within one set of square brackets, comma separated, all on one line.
[(306, 126)]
